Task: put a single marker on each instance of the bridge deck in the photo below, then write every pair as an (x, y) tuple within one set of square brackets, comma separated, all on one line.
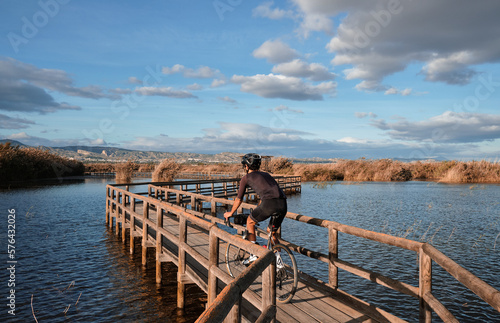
[(312, 302)]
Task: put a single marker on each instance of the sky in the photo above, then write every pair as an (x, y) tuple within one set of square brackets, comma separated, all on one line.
[(301, 78)]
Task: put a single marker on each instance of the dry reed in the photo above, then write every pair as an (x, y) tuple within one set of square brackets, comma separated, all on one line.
[(18, 164), (125, 171), (281, 165), (166, 171)]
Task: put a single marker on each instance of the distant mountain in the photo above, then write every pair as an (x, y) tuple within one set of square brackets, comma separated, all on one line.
[(13, 142), (89, 154)]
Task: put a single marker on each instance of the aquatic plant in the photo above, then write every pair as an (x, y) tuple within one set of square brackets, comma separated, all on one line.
[(19, 164)]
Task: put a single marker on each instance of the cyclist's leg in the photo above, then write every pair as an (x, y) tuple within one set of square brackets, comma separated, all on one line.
[(251, 229), (258, 215)]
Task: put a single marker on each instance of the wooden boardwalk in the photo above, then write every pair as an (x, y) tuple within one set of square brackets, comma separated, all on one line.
[(181, 228)]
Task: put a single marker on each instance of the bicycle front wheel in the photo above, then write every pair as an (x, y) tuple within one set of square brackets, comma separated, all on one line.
[(234, 259), (286, 273)]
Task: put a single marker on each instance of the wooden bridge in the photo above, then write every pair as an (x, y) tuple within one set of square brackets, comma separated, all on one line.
[(178, 220)]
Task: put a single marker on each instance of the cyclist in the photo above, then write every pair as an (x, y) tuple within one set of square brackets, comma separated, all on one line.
[(272, 199)]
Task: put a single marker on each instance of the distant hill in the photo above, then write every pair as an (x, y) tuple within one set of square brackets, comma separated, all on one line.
[(90, 154)]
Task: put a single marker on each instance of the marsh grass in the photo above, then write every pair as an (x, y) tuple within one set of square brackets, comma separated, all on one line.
[(282, 166), (125, 171), (166, 171), (387, 170), (20, 164)]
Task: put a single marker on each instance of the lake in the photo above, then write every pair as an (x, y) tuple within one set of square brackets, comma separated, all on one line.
[(70, 268)]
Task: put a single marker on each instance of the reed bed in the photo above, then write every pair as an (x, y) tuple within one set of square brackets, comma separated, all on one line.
[(388, 170), (20, 164), (360, 170)]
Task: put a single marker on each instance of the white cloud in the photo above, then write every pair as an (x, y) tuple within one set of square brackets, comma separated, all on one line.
[(134, 80), (393, 91), (299, 68), (218, 82), (449, 127), (352, 140), (361, 115), (380, 38), (275, 51), (279, 86), (202, 72), (265, 10), (194, 87), (227, 99), (164, 91)]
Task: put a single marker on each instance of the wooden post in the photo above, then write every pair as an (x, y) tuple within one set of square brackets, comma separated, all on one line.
[(213, 258), (145, 213), (181, 268), (107, 210), (425, 285), (132, 233), (193, 204), (117, 218), (159, 224), (269, 286), (333, 253), (124, 228), (213, 206), (234, 315)]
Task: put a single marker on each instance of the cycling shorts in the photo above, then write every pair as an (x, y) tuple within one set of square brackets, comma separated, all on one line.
[(269, 207)]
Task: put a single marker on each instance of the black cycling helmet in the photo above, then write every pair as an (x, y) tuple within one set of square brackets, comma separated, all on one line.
[(252, 160)]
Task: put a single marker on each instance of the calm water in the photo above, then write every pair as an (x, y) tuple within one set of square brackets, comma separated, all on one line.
[(462, 221), (69, 262), (75, 270)]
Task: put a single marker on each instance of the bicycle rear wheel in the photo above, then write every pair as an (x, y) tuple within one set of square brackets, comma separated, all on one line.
[(287, 275), (234, 259)]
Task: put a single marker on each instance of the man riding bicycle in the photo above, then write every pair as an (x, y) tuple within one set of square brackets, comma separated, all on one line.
[(272, 198)]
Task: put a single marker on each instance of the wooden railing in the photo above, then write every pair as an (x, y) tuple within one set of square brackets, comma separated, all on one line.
[(426, 252), (121, 203)]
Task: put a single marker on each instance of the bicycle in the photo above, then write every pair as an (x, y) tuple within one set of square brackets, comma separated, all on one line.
[(286, 266)]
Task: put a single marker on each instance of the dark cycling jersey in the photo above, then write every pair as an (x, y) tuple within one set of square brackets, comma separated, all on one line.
[(273, 200), (263, 184)]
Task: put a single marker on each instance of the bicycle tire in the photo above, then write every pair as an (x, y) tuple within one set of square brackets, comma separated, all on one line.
[(234, 259), (287, 277)]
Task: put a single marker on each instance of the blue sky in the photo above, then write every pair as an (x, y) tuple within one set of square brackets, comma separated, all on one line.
[(301, 78)]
